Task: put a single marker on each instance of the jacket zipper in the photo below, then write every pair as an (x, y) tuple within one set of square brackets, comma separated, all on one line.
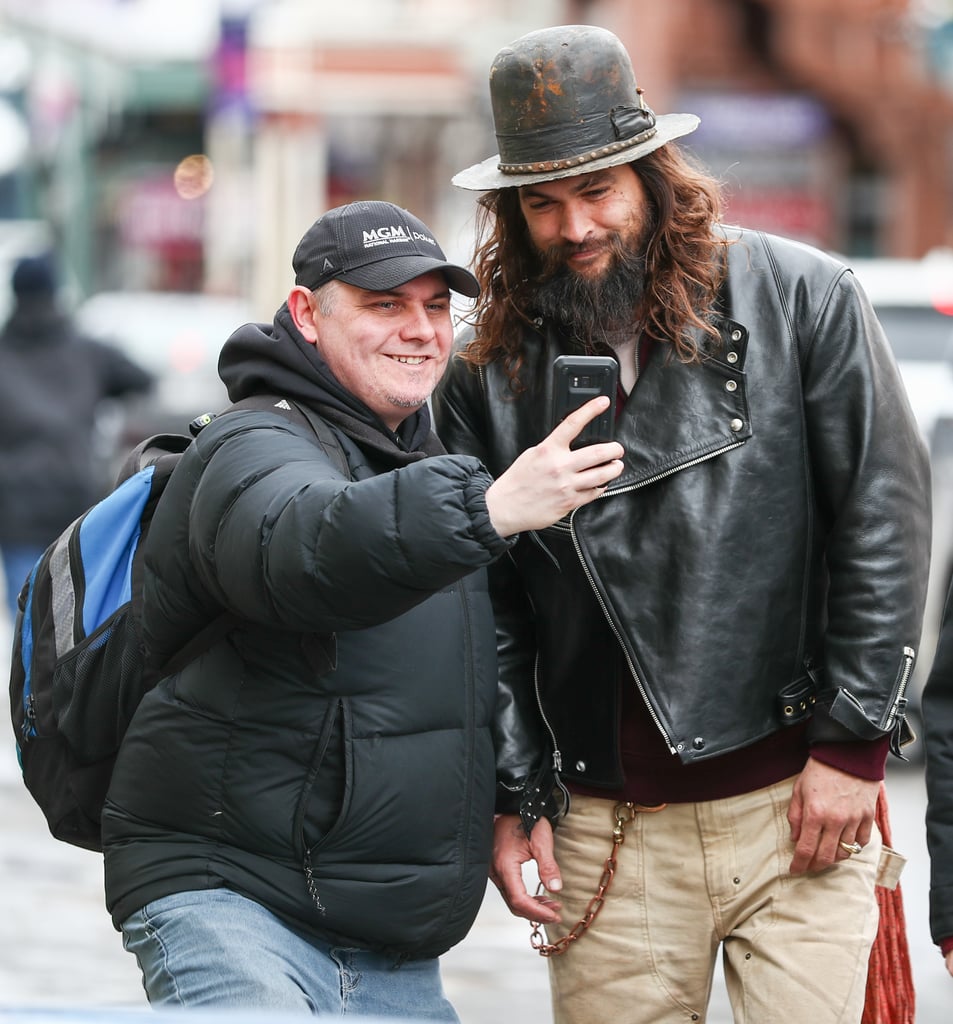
[(592, 583), (899, 700), (665, 473), (557, 753)]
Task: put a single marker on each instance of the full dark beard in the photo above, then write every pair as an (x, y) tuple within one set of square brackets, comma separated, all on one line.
[(590, 309)]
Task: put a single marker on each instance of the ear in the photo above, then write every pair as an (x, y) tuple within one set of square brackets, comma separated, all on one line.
[(300, 307)]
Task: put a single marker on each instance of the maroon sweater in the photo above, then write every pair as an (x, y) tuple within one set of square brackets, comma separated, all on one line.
[(654, 775)]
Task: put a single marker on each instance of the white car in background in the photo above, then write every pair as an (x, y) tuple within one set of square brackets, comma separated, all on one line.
[(914, 302), (175, 335)]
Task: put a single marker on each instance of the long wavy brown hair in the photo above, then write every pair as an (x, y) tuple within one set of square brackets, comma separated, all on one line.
[(684, 264)]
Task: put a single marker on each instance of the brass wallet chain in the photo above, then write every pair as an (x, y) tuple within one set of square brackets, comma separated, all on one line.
[(624, 813)]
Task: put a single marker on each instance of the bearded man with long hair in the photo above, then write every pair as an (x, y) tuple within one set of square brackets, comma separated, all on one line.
[(703, 669), (664, 294)]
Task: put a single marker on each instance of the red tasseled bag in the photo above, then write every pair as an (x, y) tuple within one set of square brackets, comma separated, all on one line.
[(890, 993)]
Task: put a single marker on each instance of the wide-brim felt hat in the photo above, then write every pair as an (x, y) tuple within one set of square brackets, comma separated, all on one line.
[(565, 102)]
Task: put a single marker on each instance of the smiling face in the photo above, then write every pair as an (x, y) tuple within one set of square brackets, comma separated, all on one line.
[(572, 220), (389, 349)]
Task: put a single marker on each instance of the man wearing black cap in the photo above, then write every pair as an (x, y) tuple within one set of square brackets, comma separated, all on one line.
[(302, 818), (702, 671), (52, 380)]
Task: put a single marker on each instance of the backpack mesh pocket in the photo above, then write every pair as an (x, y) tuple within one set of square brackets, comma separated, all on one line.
[(98, 685)]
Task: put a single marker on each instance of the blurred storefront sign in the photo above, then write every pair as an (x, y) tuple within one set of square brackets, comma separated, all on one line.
[(161, 232), (775, 154), (383, 78), (152, 214), (752, 121)]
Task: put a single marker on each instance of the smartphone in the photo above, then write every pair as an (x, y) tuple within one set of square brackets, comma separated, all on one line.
[(576, 379)]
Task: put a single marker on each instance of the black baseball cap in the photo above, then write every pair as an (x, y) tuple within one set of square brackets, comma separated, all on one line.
[(376, 246)]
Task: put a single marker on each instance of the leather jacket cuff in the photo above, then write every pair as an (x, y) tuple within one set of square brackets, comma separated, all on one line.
[(825, 729), (507, 800), (543, 796)]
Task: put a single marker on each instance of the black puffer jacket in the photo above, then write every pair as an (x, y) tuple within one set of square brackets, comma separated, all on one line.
[(331, 758), (766, 546)]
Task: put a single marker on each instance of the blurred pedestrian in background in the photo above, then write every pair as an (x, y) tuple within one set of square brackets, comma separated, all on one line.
[(724, 637), (938, 748), (301, 819), (52, 381)]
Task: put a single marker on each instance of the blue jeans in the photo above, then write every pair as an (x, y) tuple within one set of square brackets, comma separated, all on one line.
[(18, 562), (213, 947)]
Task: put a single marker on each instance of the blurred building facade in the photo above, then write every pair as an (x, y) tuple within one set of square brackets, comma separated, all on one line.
[(187, 144)]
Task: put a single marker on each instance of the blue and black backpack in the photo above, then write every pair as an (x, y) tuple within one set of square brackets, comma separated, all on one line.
[(79, 666)]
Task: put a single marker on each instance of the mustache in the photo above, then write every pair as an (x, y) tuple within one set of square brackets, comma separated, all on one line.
[(554, 259)]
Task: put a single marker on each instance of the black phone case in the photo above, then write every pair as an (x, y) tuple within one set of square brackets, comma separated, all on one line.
[(576, 380)]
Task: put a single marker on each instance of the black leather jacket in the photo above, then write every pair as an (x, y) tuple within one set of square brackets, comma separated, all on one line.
[(763, 557)]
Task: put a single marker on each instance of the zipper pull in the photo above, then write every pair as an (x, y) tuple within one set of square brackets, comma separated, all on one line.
[(28, 728), (900, 694)]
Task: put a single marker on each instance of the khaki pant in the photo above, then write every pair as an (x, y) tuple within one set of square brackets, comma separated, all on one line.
[(695, 877)]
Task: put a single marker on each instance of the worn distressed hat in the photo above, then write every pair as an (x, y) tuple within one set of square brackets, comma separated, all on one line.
[(565, 102), (376, 246)]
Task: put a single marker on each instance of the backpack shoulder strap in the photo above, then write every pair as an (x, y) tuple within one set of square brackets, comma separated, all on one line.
[(327, 436)]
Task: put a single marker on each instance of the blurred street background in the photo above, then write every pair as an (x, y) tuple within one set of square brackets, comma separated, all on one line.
[(172, 152)]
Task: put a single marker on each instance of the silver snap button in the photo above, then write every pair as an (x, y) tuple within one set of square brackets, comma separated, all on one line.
[(736, 335), (732, 357), (580, 766), (736, 425), (731, 385)]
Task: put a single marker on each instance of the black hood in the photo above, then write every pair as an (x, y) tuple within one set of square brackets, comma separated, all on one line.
[(275, 359)]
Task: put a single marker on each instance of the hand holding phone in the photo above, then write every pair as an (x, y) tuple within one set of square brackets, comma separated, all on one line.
[(576, 380), (548, 480)]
